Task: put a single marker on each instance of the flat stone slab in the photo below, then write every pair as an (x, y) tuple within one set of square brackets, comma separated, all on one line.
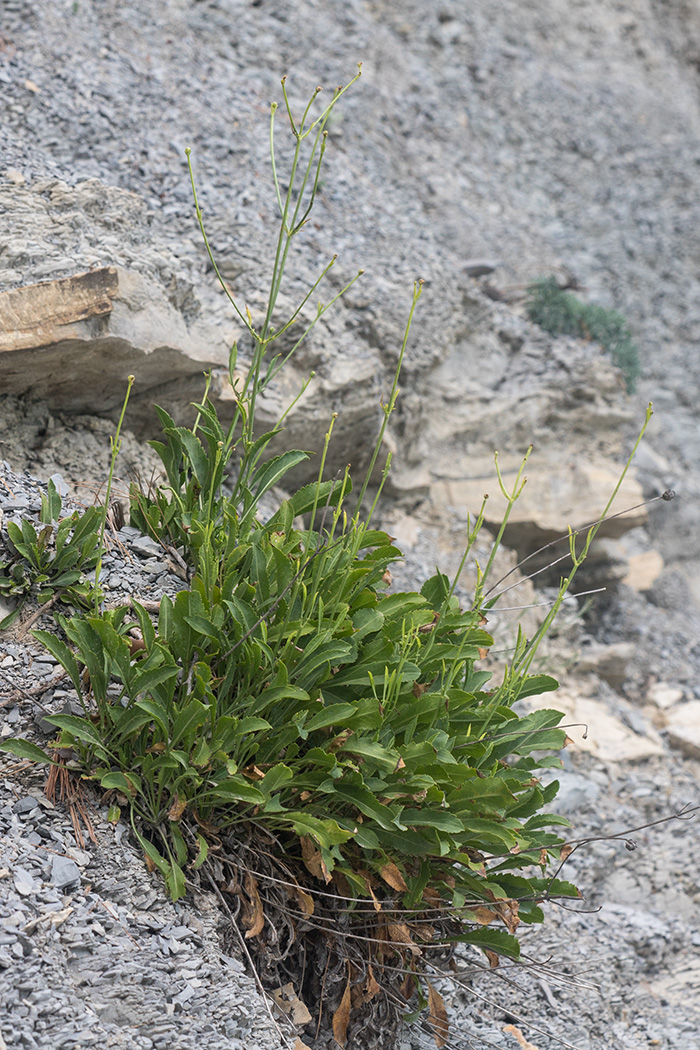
[(38, 314)]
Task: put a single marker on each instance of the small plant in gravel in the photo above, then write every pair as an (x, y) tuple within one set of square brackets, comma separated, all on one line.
[(62, 561), (326, 751), (53, 562), (560, 312)]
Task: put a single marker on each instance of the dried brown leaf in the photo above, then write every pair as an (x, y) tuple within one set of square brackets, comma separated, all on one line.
[(313, 861), (299, 1045), (393, 877), (177, 808), (253, 773), (370, 882), (493, 958), (517, 1034), (432, 896), (437, 1017), (508, 911), (291, 1005), (372, 986), (253, 918), (341, 740), (341, 1017), (399, 933), (407, 985), (483, 915), (566, 851), (305, 900)]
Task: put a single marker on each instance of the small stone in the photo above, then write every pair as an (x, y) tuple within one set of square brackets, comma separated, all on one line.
[(24, 882), (663, 695), (64, 872), (25, 805), (684, 729)]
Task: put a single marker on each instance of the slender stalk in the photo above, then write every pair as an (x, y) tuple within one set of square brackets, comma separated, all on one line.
[(389, 408), (115, 445)]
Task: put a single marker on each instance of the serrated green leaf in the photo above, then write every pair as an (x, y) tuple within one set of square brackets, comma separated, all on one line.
[(237, 789), (489, 939), (63, 654), (78, 727), (25, 749)]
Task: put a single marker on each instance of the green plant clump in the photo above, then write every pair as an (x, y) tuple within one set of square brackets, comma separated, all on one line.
[(561, 313), (53, 563), (288, 697)]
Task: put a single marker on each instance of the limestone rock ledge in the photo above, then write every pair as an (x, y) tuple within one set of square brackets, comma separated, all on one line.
[(72, 342)]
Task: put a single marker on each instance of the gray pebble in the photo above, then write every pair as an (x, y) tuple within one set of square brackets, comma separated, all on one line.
[(64, 872), (25, 805)]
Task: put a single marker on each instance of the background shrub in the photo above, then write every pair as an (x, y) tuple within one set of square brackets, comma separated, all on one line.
[(561, 313)]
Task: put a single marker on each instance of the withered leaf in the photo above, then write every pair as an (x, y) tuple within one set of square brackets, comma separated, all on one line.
[(177, 808), (305, 900), (483, 653), (418, 689), (253, 918), (299, 1045), (407, 986), (493, 958), (313, 861), (291, 1005), (566, 851), (437, 1017), (399, 933), (517, 1034), (340, 740), (341, 1017), (372, 986), (508, 911), (483, 915), (393, 877)]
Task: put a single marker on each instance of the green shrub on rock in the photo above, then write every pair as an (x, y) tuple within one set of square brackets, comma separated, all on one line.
[(561, 313)]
